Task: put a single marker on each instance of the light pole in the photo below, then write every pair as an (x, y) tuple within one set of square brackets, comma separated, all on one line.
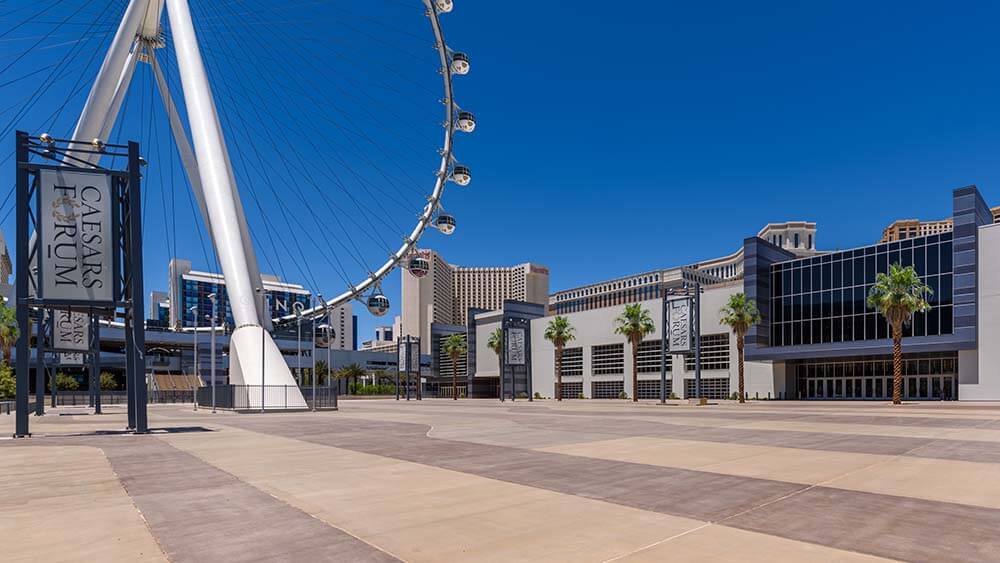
[(695, 289), (664, 334), (313, 354), (213, 298), (298, 307), (194, 388), (329, 349), (263, 309)]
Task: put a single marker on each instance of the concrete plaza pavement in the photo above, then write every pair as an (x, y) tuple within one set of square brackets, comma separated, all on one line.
[(441, 480)]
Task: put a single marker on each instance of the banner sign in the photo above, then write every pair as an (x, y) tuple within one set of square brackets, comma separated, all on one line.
[(74, 219), (71, 359), (415, 355), (515, 347), (679, 325), (70, 331)]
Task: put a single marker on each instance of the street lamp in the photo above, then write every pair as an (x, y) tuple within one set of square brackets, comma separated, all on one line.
[(214, 299), (194, 388), (263, 356), (319, 296), (330, 334), (298, 306)]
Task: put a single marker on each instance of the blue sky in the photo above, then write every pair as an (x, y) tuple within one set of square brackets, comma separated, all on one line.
[(614, 138)]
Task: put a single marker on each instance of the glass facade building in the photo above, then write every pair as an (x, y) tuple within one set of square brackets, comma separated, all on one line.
[(822, 299), (195, 292)]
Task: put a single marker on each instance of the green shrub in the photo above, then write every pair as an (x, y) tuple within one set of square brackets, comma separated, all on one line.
[(581, 396), (622, 395), (66, 382), (523, 395), (538, 395), (673, 396), (734, 396), (381, 389), (8, 383), (108, 381)]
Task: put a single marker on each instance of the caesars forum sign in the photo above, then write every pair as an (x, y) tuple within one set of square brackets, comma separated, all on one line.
[(75, 227), (679, 321)]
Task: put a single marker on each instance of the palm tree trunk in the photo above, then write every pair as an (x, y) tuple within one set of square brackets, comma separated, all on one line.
[(559, 372), (739, 356), (897, 364), (454, 379), (635, 371)]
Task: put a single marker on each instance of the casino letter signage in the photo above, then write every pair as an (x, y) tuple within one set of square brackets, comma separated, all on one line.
[(71, 331), (74, 219), (679, 321)]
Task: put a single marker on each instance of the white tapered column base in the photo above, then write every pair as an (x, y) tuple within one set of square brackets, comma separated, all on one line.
[(245, 362)]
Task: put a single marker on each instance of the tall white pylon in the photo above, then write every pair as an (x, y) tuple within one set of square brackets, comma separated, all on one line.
[(255, 360)]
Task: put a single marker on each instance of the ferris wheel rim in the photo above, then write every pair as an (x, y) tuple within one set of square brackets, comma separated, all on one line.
[(375, 277)]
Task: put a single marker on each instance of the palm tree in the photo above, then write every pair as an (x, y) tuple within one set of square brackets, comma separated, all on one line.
[(559, 332), (9, 331), (495, 343), (740, 314), (349, 371), (634, 323), (898, 295), (455, 347)]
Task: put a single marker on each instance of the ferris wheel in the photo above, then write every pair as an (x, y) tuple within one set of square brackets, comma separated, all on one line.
[(306, 126)]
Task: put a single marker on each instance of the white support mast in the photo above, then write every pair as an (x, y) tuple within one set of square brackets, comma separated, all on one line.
[(255, 358)]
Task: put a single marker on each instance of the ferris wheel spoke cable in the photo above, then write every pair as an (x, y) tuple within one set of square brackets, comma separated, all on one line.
[(335, 213), (32, 18)]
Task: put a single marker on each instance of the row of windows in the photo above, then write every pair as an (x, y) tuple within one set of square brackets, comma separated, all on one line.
[(572, 361), (714, 353), (608, 359), (711, 388), (848, 301), (623, 297), (650, 388), (622, 284), (870, 326), (606, 389), (931, 364)]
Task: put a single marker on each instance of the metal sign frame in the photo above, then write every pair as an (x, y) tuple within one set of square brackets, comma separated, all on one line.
[(669, 331), (35, 154)]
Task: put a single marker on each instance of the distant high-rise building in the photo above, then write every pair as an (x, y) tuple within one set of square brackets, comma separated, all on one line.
[(912, 228), (447, 292), (190, 288)]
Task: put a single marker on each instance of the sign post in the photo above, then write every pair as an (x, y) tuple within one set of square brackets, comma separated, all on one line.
[(79, 255)]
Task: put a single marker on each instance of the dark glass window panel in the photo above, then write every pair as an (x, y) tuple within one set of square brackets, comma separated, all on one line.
[(871, 332), (817, 305), (869, 269), (838, 303), (919, 324), (838, 329), (859, 271), (906, 257), (859, 327), (920, 260), (934, 283), (893, 257), (806, 280), (848, 329), (827, 272), (848, 299), (882, 263), (848, 274), (797, 280), (947, 320), (894, 246), (776, 288), (826, 258), (796, 308), (787, 305), (786, 281), (859, 301), (838, 272), (775, 334), (807, 332), (817, 332), (945, 296), (827, 303), (933, 327), (932, 259), (882, 326), (796, 334), (776, 316), (906, 243), (946, 236), (827, 330), (933, 239), (817, 274), (946, 257)]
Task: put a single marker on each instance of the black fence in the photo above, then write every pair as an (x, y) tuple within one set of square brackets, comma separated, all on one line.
[(83, 398), (275, 397)]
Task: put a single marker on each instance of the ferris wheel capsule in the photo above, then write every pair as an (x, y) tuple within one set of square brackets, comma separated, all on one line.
[(444, 6), (46, 138), (445, 223), (466, 121), (418, 266), (460, 63), (461, 175), (97, 144), (378, 304)]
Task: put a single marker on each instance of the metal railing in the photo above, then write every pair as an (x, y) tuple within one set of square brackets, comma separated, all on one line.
[(275, 397)]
